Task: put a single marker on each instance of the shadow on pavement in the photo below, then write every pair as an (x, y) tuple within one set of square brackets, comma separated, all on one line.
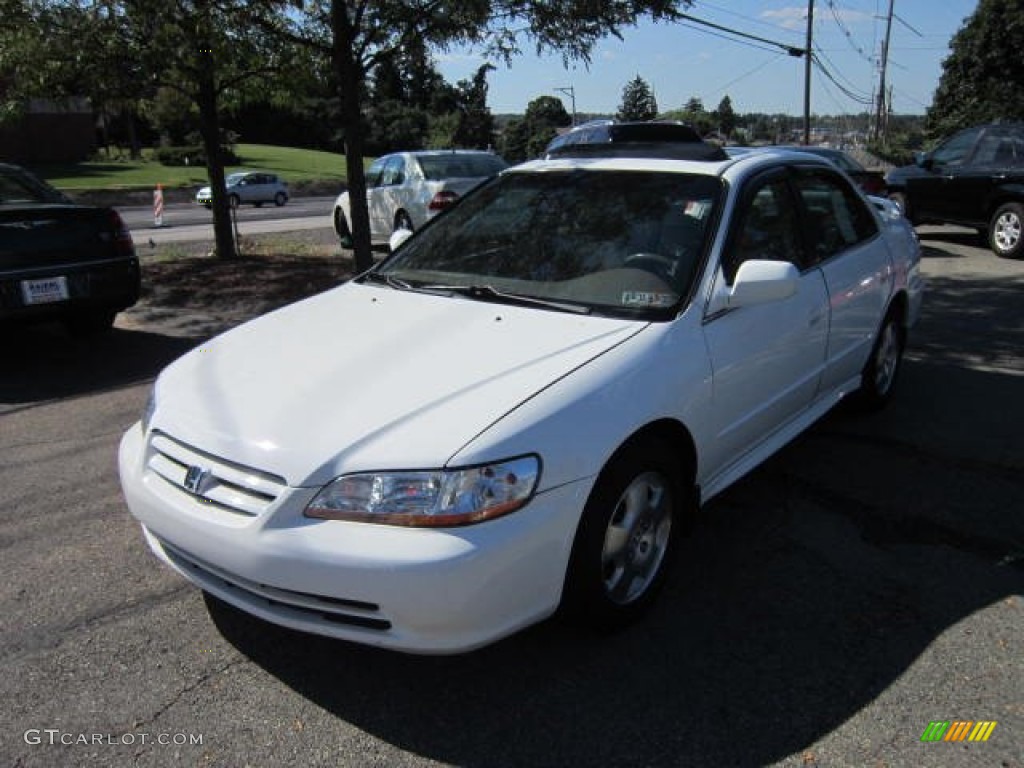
[(781, 622), (42, 362), (932, 240)]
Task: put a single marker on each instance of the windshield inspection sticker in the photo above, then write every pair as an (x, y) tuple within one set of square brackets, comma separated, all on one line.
[(647, 299)]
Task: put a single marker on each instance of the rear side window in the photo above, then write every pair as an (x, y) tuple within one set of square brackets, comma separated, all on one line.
[(837, 216), (1004, 150)]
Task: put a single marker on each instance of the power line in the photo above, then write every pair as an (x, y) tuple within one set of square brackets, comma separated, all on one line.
[(792, 50), (755, 70), (726, 37)]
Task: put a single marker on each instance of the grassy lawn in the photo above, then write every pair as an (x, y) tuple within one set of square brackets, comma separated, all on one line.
[(291, 164)]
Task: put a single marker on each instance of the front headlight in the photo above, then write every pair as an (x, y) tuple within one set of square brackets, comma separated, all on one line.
[(434, 498)]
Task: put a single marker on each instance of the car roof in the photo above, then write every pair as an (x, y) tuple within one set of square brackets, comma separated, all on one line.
[(435, 152), (651, 157)]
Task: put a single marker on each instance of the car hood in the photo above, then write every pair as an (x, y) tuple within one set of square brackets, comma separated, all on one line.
[(365, 377)]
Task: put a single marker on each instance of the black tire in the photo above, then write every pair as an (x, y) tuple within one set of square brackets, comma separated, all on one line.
[(1005, 237), (626, 537), (280, 199), (878, 379), (234, 201), (85, 324), (402, 221)]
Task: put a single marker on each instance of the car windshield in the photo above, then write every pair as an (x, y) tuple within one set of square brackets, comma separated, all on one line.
[(609, 242), (460, 166), (19, 188), (234, 178)]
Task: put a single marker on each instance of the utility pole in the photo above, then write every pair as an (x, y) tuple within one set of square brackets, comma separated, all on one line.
[(881, 112), (571, 93), (807, 72)]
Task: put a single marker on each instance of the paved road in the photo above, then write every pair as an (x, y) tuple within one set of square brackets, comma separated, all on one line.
[(182, 222), (863, 583)]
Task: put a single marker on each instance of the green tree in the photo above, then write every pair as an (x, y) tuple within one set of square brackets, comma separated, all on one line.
[(62, 49), (476, 123), (638, 102), (696, 115), (357, 35), (725, 117), (527, 137), (983, 75)]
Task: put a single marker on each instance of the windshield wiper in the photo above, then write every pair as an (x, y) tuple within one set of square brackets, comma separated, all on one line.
[(389, 280), (482, 292), (490, 293)]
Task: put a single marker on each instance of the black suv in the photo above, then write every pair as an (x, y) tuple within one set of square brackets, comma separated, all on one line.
[(975, 179)]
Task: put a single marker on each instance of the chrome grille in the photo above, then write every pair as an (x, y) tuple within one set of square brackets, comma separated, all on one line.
[(230, 486)]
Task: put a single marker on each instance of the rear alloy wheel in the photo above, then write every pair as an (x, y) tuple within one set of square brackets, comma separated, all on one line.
[(341, 228), (626, 538), (402, 221), (879, 376), (1004, 232), (280, 199)]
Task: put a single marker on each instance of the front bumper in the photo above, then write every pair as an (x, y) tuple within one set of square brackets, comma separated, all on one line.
[(415, 590)]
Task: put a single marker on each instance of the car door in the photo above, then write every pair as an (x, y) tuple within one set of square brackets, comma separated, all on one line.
[(375, 202), (386, 197), (933, 195), (258, 188), (844, 241), (767, 359)]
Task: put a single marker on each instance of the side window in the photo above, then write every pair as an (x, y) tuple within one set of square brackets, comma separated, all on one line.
[(1000, 150), (394, 172), (837, 217), (766, 227), (373, 173), (955, 151)]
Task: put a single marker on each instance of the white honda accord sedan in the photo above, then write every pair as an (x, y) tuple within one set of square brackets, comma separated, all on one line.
[(520, 410)]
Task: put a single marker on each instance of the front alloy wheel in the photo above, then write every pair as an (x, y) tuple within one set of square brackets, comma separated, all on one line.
[(626, 537), (637, 538), (1004, 232), (402, 221)]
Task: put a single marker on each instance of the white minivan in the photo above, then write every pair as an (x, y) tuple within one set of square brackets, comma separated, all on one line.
[(521, 408)]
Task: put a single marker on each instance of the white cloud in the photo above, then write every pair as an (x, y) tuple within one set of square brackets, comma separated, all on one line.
[(791, 17), (795, 17)]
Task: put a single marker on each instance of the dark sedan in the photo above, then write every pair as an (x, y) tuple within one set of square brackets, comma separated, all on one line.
[(61, 261)]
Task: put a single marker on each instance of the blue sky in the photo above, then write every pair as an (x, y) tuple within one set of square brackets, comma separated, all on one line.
[(684, 60)]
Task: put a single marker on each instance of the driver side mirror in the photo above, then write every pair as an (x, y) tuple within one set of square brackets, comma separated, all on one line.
[(760, 281), (923, 160)]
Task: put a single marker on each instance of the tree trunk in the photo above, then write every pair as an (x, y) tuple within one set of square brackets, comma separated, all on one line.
[(349, 84), (209, 128)]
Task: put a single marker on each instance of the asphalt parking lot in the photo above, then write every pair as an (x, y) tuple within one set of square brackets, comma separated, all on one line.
[(863, 583)]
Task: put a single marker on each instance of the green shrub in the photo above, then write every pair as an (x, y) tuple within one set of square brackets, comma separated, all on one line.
[(191, 155)]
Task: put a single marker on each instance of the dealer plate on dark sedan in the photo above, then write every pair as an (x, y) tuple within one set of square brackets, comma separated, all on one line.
[(45, 290)]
